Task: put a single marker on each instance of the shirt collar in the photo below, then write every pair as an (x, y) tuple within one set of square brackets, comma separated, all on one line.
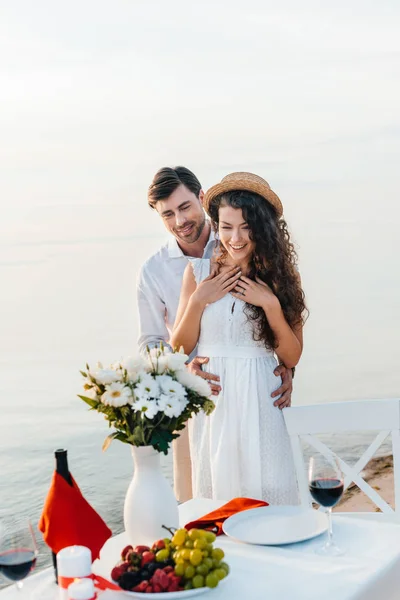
[(174, 250)]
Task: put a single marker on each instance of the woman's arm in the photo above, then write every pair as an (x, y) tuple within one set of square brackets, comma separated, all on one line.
[(187, 323), (290, 341)]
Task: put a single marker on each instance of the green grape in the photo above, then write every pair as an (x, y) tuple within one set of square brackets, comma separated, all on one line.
[(196, 557), (202, 569), (212, 580), (206, 554), (179, 537), (208, 562), (210, 537), (179, 569), (179, 559), (216, 563), (218, 554), (198, 581), (202, 533), (162, 555), (200, 544), (188, 585), (209, 548), (189, 544), (190, 572), (220, 573), (225, 566), (185, 553), (194, 534)]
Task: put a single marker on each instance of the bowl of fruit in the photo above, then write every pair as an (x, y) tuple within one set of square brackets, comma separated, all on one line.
[(182, 565)]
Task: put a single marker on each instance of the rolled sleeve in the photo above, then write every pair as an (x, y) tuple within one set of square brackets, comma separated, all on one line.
[(152, 327)]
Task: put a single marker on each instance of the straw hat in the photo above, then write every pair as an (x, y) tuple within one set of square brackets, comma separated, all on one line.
[(246, 182)]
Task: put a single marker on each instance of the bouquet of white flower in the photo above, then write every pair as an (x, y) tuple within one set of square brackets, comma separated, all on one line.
[(147, 401)]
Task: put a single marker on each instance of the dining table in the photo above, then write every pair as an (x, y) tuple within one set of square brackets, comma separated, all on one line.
[(369, 568)]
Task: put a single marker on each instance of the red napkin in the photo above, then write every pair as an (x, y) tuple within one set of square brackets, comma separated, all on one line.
[(68, 519), (213, 520)]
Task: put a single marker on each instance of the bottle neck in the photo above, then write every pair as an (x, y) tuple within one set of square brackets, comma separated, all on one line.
[(62, 465)]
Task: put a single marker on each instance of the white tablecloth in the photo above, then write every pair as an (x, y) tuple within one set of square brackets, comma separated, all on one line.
[(370, 569)]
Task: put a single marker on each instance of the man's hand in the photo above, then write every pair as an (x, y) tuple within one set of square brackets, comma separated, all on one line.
[(195, 367), (285, 390)]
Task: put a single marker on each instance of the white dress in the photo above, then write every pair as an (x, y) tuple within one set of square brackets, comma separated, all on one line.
[(242, 448)]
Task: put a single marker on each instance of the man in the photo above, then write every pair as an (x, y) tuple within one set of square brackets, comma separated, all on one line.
[(176, 194)]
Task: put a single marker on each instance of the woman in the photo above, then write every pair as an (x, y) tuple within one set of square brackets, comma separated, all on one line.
[(243, 308)]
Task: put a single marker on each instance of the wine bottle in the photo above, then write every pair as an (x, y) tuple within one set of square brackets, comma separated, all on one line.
[(63, 470)]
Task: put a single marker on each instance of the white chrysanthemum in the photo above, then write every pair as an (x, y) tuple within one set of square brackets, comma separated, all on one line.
[(147, 407), (117, 394), (147, 387), (133, 366), (169, 386), (106, 376), (176, 361), (194, 382), (171, 406)]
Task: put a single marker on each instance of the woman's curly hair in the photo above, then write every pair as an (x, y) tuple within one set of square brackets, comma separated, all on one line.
[(274, 260)]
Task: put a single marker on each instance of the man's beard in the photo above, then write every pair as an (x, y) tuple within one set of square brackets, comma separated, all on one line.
[(195, 233)]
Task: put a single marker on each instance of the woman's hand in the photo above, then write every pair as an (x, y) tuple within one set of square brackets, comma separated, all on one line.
[(256, 292), (215, 287)]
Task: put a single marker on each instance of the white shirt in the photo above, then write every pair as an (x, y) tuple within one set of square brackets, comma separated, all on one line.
[(158, 291)]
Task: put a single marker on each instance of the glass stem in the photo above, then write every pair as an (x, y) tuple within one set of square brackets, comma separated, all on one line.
[(330, 527)]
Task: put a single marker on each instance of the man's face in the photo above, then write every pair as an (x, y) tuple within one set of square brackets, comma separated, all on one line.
[(183, 214)]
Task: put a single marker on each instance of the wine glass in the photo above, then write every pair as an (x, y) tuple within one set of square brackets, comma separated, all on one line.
[(18, 549), (325, 480)]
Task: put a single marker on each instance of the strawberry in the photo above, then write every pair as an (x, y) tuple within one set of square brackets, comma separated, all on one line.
[(146, 558), (158, 545), (125, 551), (168, 570), (141, 549), (157, 588), (149, 589), (119, 570), (133, 558)]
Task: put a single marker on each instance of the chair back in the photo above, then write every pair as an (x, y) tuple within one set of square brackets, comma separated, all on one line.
[(380, 416)]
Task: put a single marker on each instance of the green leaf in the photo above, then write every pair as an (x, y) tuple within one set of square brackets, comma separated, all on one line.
[(108, 441), (83, 373), (137, 437), (92, 403)]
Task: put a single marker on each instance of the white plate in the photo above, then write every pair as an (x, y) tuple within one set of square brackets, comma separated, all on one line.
[(173, 595), (276, 525)]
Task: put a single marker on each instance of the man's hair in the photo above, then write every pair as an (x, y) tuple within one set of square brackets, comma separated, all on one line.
[(167, 179)]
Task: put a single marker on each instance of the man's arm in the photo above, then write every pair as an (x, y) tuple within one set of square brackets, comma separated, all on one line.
[(152, 327)]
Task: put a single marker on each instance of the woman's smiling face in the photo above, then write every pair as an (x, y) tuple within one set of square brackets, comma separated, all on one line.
[(234, 234)]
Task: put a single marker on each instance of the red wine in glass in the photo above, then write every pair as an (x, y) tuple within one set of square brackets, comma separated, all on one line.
[(16, 564), (18, 549), (327, 492), (325, 481)]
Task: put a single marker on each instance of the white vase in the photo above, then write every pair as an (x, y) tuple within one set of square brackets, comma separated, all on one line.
[(150, 502)]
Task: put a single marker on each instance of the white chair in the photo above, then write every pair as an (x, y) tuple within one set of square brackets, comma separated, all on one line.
[(381, 416)]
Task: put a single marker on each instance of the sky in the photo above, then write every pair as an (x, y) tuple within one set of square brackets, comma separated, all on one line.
[(95, 96)]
